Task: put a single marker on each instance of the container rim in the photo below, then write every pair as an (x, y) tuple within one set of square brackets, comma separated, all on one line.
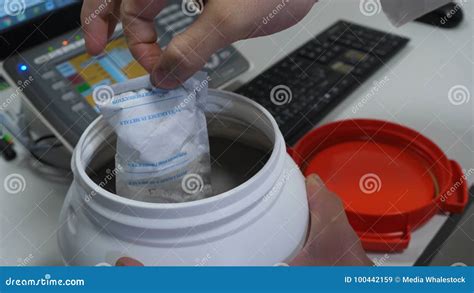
[(99, 124)]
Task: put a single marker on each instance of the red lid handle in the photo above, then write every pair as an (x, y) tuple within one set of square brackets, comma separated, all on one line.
[(455, 198), (390, 242)]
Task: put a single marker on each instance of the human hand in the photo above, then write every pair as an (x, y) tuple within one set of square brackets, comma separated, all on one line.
[(128, 262), (331, 240), (221, 23)]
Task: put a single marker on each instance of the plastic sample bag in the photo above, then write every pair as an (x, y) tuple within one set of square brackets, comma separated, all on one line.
[(162, 140)]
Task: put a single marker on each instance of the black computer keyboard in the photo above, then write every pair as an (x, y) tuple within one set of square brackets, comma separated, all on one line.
[(306, 85)]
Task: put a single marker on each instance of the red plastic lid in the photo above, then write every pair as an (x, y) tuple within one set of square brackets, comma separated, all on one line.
[(391, 179)]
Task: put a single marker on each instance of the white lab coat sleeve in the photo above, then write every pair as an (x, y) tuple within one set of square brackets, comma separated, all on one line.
[(402, 11)]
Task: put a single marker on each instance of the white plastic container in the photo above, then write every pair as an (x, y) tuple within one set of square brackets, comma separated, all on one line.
[(259, 215)]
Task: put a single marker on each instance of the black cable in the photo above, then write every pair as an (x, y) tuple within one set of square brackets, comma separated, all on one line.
[(56, 145), (43, 161), (45, 137)]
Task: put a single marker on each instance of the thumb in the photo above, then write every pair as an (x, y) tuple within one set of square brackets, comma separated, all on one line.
[(188, 52), (326, 207)]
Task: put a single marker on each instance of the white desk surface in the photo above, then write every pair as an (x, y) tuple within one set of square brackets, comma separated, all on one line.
[(416, 95)]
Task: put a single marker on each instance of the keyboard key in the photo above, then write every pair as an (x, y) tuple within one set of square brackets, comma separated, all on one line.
[(78, 107), (68, 96)]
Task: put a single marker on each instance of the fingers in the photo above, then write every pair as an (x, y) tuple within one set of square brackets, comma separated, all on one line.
[(323, 203), (331, 239), (138, 23), (327, 211), (325, 207), (314, 185), (188, 52), (99, 19), (290, 13), (128, 262)]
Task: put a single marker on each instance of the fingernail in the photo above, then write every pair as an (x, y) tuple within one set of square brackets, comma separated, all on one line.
[(164, 79), (128, 262), (314, 179)]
